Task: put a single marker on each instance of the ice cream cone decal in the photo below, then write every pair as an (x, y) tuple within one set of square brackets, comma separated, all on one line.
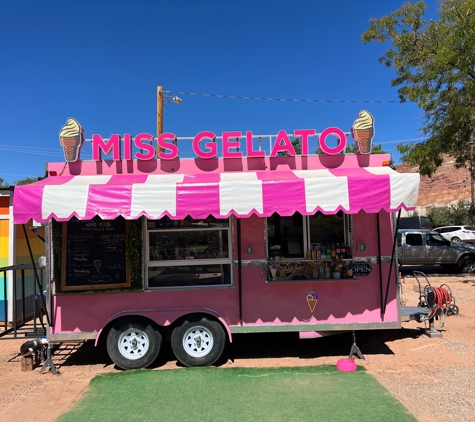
[(97, 264), (71, 138), (312, 299), (363, 132)]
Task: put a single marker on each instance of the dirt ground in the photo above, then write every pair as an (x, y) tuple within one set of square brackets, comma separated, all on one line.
[(433, 377)]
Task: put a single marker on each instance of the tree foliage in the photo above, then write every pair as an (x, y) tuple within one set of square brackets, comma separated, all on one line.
[(451, 215), (434, 62), (26, 181), (297, 146)]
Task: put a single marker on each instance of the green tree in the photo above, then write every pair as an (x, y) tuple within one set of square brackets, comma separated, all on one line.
[(26, 181), (457, 214), (297, 146), (434, 62), (3, 185)]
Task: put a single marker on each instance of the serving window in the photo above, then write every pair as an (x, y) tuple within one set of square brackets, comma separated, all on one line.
[(189, 252), (296, 236)]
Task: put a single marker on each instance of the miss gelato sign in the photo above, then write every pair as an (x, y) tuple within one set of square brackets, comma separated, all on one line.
[(145, 146)]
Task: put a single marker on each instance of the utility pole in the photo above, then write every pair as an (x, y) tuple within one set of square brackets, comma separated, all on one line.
[(176, 100), (160, 115)]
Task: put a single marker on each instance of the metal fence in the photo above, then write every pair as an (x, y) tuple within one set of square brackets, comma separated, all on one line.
[(23, 311)]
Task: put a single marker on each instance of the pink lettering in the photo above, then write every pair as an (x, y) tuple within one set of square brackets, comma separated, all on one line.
[(98, 145), (144, 141), (163, 145), (249, 150), (338, 133), (127, 147), (285, 147), (305, 133), (227, 144), (211, 147)]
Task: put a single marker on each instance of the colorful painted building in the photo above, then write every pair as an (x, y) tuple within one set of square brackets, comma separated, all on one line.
[(14, 251)]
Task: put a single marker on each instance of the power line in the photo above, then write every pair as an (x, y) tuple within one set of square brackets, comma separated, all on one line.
[(293, 100)]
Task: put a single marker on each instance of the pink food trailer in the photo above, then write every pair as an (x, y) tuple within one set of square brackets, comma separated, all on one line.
[(143, 245)]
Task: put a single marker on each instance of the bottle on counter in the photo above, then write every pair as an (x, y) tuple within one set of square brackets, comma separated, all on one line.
[(338, 250), (333, 251), (323, 252), (329, 252)]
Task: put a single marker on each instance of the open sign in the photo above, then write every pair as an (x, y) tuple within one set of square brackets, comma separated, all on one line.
[(361, 269)]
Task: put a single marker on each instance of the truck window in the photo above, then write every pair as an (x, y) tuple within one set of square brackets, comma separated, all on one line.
[(414, 239), (188, 253), (435, 240)]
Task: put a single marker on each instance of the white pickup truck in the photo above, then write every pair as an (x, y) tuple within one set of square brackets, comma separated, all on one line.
[(426, 247)]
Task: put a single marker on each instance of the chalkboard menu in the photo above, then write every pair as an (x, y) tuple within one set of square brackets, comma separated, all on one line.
[(94, 254)]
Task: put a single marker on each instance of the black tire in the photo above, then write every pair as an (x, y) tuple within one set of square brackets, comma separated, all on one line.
[(198, 341), (133, 343), (467, 264), (455, 239)]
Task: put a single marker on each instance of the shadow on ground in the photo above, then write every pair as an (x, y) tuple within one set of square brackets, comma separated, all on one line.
[(253, 346)]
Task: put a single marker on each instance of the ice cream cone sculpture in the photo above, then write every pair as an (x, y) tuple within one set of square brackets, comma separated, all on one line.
[(71, 138), (312, 299), (363, 132)]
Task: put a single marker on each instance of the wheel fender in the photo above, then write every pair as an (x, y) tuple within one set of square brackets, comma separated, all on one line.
[(164, 317), (464, 254)]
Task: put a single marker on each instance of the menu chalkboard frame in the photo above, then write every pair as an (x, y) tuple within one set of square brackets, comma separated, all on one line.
[(90, 287)]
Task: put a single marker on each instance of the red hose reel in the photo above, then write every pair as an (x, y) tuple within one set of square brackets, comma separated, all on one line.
[(440, 300)]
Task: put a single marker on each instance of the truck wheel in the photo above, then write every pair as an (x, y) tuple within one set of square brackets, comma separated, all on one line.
[(198, 341), (455, 239), (467, 264), (133, 343)]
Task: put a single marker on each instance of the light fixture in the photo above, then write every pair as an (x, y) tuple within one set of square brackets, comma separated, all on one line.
[(160, 96)]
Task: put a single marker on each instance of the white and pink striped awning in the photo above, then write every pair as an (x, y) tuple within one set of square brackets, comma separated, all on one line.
[(370, 189)]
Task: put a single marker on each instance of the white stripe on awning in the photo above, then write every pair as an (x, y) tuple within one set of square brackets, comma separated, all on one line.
[(404, 186), (70, 197), (156, 195), (241, 192), (324, 190)]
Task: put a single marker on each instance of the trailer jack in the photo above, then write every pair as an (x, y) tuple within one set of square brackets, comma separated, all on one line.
[(48, 363), (355, 350)]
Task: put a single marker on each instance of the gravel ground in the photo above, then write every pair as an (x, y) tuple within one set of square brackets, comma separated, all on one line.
[(432, 377)]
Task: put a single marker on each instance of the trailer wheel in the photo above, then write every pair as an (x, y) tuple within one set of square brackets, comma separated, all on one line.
[(467, 264), (133, 343), (198, 341)]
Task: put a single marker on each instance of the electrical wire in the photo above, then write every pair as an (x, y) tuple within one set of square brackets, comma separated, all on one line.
[(293, 100)]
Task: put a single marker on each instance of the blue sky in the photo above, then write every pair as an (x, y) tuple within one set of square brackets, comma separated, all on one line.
[(101, 62)]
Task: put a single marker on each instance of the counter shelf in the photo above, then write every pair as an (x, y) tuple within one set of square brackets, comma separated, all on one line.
[(298, 270)]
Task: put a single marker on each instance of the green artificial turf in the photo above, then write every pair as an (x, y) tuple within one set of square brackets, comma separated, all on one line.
[(239, 394)]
